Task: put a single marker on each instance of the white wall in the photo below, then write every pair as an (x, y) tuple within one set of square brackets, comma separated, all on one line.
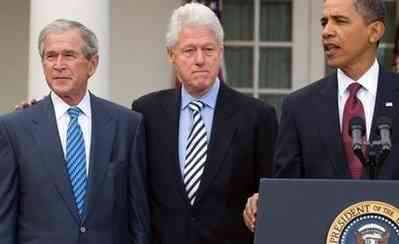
[(14, 42), (138, 58)]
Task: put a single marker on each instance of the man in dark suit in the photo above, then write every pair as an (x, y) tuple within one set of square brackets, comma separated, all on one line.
[(312, 141), (72, 166), (207, 145)]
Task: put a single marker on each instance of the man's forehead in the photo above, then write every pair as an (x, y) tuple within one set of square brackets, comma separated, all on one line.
[(197, 34), (196, 42), (61, 50), (66, 41), (70, 36), (338, 7)]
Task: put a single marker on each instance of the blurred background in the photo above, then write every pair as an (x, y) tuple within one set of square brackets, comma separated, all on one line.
[(272, 47)]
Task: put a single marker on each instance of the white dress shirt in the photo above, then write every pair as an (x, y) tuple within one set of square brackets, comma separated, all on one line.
[(367, 94), (84, 120)]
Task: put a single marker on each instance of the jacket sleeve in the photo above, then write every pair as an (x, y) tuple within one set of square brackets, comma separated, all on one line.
[(8, 189), (267, 128), (140, 226), (288, 160)]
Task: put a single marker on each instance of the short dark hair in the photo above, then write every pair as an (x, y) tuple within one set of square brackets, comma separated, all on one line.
[(371, 10)]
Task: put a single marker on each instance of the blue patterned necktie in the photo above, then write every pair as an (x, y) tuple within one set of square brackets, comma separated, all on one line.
[(196, 152), (76, 159)]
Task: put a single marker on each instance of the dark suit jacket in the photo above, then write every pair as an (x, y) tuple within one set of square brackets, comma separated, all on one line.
[(309, 143), (239, 154), (36, 199)]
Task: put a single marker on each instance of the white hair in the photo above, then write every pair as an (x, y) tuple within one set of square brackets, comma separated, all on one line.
[(192, 14)]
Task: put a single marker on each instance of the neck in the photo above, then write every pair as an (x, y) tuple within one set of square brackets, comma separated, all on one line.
[(72, 100), (359, 67)]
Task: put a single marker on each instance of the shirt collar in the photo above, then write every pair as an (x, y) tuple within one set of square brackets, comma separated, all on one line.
[(209, 99), (60, 107), (368, 80)]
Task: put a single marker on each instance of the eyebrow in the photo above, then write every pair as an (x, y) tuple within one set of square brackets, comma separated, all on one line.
[(69, 51), (62, 51), (334, 17)]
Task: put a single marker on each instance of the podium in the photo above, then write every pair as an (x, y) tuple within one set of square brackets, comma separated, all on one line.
[(318, 211)]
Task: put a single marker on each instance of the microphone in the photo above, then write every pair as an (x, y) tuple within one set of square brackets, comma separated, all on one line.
[(384, 127), (357, 130)]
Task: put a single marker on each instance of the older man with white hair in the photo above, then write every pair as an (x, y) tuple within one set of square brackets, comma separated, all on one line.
[(207, 145)]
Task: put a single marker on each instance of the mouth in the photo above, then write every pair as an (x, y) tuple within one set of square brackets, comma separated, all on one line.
[(62, 78), (330, 49), (200, 72)]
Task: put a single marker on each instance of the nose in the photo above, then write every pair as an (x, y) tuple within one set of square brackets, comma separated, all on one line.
[(59, 63), (199, 57), (328, 31)]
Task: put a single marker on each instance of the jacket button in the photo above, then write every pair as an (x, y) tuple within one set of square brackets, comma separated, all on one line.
[(83, 229)]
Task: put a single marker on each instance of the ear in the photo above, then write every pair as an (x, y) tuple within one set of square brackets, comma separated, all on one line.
[(376, 31), (93, 63), (171, 55)]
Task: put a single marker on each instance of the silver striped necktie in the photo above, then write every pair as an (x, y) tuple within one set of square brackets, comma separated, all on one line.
[(196, 152)]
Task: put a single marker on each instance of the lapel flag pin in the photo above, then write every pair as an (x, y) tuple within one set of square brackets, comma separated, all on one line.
[(388, 104)]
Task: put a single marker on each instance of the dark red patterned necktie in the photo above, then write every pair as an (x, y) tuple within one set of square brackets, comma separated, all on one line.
[(353, 108)]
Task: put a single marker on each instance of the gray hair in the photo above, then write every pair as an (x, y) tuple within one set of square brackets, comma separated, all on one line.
[(62, 25), (371, 10), (194, 14)]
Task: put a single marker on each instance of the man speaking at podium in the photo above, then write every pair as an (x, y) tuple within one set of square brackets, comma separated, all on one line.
[(313, 139)]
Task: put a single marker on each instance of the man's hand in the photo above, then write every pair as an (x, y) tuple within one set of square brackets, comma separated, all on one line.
[(26, 103), (249, 214)]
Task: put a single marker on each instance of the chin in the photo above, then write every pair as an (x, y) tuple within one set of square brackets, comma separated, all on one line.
[(332, 64), (61, 91), (204, 81)]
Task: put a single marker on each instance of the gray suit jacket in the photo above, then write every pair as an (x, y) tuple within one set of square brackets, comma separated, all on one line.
[(36, 198)]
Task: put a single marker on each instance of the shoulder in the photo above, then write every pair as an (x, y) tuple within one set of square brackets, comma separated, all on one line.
[(307, 93), (154, 99), (248, 108), (114, 110), (244, 102), (389, 76), (26, 115)]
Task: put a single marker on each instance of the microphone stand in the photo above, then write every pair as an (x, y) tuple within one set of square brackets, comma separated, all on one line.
[(372, 165)]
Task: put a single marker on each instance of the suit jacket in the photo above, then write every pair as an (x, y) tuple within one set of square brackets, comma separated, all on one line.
[(36, 199), (309, 143), (239, 154)]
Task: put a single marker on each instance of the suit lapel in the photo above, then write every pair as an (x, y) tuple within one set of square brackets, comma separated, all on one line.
[(223, 129), (170, 105), (102, 136), (329, 127), (51, 150), (387, 94), (387, 99)]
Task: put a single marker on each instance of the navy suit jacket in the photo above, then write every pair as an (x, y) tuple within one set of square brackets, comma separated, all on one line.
[(36, 199), (309, 144), (240, 152)]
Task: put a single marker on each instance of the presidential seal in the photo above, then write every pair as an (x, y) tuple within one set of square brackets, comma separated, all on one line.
[(369, 222)]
